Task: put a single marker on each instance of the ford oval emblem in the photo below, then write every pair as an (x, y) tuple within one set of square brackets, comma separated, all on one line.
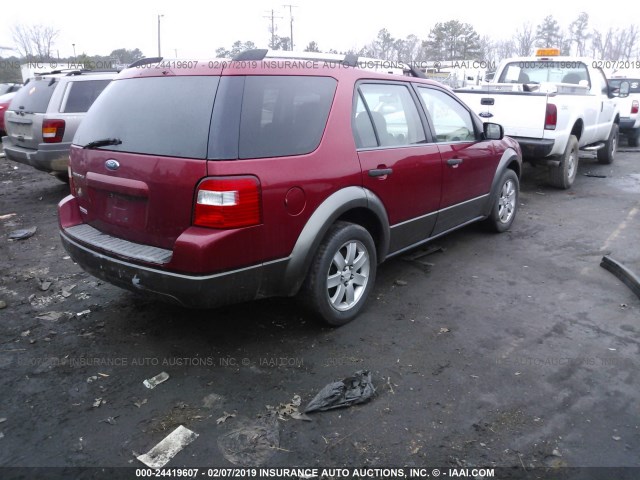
[(486, 114), (112, 164)]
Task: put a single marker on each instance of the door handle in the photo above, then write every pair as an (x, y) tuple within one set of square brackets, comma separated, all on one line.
[(454, 162), (380, 172)]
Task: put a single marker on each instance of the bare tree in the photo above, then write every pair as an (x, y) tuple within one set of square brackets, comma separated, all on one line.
[(524, 40), (35, 41), (579, 33)]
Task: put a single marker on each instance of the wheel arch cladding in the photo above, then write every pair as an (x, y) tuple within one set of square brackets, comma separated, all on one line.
[(510, 161), (352, 204)]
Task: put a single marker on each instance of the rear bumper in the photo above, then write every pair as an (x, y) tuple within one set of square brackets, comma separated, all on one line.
[(534, 149), (627, 124), (206, 291), (52, 157)]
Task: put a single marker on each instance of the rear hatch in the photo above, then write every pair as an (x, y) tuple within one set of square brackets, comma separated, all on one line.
[(139, 154), (23, 119)]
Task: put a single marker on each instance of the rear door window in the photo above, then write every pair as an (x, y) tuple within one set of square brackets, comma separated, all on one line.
[(79, 96), (167, 116), (34, 96), (394, 115)]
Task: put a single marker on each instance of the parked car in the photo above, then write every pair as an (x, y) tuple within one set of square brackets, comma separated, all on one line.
[(5, 100), (629, 106), (273, 180), (9, 87), (44, 115)]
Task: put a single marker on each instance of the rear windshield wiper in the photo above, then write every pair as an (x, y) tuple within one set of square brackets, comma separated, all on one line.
[(103, 143)]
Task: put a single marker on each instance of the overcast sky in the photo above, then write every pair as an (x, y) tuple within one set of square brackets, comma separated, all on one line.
[(197, 29)]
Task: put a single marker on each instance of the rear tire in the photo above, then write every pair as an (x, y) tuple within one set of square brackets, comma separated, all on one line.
[(342, 274), (608, 153), (564, 174)]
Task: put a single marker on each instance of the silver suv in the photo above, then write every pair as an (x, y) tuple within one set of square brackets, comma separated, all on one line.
[(44, 115)]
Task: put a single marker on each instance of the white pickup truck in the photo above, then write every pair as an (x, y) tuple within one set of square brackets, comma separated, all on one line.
[(629, 106), (553, 106)]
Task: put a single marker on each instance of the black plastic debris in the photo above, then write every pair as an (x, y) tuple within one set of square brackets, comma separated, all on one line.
[(350, 391), (22, 234), (627, 277)]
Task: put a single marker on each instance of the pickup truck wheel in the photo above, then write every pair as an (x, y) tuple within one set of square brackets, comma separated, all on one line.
[(342, 274), (564, 174), (505, 204), (634, 137), (608, 153)]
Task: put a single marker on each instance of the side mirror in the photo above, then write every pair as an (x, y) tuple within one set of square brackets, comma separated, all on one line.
[(623, 91), (493, 131)]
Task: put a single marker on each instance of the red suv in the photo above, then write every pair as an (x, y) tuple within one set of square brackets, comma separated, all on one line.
[(210, 183)]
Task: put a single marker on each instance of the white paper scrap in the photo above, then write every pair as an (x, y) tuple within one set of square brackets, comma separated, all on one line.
[(164, 451)]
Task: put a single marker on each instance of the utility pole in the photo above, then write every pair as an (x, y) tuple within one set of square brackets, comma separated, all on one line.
[(273, 17), (159, 54), (291, 21)]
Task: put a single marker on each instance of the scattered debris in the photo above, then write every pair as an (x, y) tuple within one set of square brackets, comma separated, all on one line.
[(153, 382), (289, 410), (1, 435), (390, 386), (616, 438), (518, 374), (83, 313), (400, 283), (54, 316), (443, 330), (226, 416), (92, 379), (26, 333), (22, 234), (98, 402), (594, 175), (110, 420), (556, 453), (45, 285), (3, 419), (164, 451), (103, 375), (350, 391), (140, 403), (474, 376), (7, 216), (66, 292), (624, 274), (252, 444), (3, 304)]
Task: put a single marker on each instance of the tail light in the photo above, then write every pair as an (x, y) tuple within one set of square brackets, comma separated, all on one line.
[(228, 202), (551, 117), (52, 131), (634, 106)]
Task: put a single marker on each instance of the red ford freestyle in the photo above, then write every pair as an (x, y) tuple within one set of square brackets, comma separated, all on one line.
[(209, 183)]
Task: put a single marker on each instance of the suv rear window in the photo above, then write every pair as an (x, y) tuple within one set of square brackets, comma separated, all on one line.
[(269, 116), (166, 116), (34, 96), (81, 95)]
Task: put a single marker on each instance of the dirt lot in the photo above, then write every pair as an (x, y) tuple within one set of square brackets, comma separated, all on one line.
[(514, 350)]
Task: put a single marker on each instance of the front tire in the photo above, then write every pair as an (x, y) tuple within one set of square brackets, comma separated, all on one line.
[(505, 204), (342, 274), (608, 153), (564, 174)]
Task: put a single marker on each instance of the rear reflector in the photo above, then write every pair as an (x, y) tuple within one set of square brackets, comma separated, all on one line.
[(551, 117), (228, 202), (634, 106), (52, 131)]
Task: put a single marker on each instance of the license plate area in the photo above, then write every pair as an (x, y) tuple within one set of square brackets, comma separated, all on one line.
[(125, 210)]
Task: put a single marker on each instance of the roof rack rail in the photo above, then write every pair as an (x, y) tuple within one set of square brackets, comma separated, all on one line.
[(145, 61)]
